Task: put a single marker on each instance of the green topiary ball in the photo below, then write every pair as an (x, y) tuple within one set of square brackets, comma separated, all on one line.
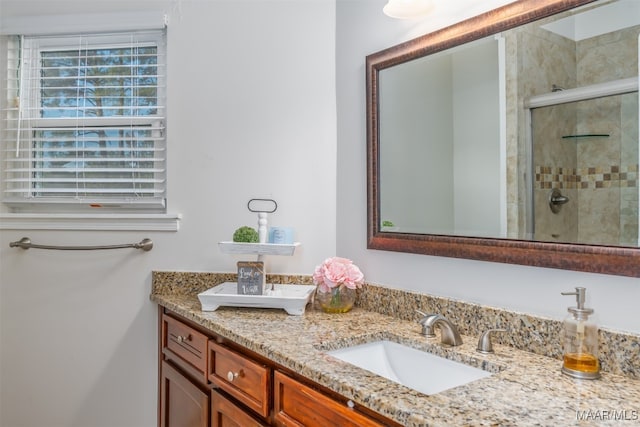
[(246, 234)]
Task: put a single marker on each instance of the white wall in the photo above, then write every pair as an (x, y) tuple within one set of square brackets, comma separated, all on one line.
[(410, 112), (476, 140), (362, 29), (251, 99), (431, 185)]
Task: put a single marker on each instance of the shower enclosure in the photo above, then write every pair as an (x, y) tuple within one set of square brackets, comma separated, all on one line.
[(584, 157)]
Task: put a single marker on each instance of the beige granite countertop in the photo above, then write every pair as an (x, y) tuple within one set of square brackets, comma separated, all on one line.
[(526, 389)]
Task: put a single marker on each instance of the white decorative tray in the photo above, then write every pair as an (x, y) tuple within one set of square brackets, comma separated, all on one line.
[(292, 298), (258, 248)]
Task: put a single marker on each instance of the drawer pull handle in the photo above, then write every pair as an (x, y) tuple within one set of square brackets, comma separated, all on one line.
[(181, 338), (233, 375)]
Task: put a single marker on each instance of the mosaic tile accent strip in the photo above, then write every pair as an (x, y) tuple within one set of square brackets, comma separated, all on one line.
[(548, 177)]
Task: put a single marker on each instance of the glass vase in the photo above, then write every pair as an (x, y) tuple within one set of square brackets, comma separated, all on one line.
[(338, 300)]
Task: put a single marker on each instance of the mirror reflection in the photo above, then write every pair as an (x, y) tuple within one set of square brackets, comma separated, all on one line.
[(528, 134)]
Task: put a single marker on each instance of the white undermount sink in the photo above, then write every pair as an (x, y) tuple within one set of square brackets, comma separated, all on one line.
[(416, 369)]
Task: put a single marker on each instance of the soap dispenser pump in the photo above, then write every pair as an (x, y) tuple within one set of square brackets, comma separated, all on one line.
[(580, 358)]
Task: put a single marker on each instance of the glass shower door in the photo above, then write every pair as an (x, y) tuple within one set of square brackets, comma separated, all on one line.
[(585, 165)]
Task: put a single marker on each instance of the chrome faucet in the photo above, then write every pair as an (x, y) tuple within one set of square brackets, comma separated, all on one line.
[(448, 332)]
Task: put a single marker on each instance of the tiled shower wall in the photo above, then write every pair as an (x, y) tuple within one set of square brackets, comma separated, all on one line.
[(598, 174), (528, 51)]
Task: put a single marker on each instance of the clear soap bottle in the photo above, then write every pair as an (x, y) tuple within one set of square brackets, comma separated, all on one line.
[(580, 358)]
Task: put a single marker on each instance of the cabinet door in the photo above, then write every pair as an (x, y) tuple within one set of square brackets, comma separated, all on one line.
[(298, 405), (182, 403), (225, 413)]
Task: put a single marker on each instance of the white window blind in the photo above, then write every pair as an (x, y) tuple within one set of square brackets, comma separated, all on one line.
[(85, 122)]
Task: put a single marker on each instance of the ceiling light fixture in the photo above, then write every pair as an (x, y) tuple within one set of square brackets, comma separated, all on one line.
[(407, 9)]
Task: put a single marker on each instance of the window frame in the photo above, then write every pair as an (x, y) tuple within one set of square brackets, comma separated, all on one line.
[(157, 122)]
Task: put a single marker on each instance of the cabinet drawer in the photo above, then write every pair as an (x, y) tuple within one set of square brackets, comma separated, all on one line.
[(301, 406), (186, 343), (241, 377), (225, 413)]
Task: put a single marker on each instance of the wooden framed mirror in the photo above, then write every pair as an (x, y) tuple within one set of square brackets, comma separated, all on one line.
[(507, 244)]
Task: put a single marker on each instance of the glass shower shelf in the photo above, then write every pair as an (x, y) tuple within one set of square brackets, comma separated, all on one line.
[(587, 135)]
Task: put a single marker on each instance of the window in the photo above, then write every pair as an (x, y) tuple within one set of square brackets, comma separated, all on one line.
[(86, 123)]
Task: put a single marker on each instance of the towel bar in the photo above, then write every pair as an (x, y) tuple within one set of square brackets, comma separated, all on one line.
[(25, 243)]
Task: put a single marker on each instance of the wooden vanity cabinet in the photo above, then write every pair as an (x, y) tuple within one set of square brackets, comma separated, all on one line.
[(184, 390), (206, 380)]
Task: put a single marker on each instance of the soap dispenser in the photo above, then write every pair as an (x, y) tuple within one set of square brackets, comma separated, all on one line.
[(580, 340)]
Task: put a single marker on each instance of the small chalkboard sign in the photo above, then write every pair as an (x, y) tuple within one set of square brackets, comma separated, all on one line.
[(250, 277)]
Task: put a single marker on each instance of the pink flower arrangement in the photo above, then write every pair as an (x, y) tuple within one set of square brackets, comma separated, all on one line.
[(335, 272)]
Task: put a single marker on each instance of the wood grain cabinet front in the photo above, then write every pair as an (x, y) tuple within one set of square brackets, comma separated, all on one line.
[(298, 405), (225, 413), (246, 380), (206, 380), (186, 346), (182, 403)]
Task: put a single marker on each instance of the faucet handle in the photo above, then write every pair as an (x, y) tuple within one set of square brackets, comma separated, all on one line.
[(427, 330), (424, 318), (484, 342)]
